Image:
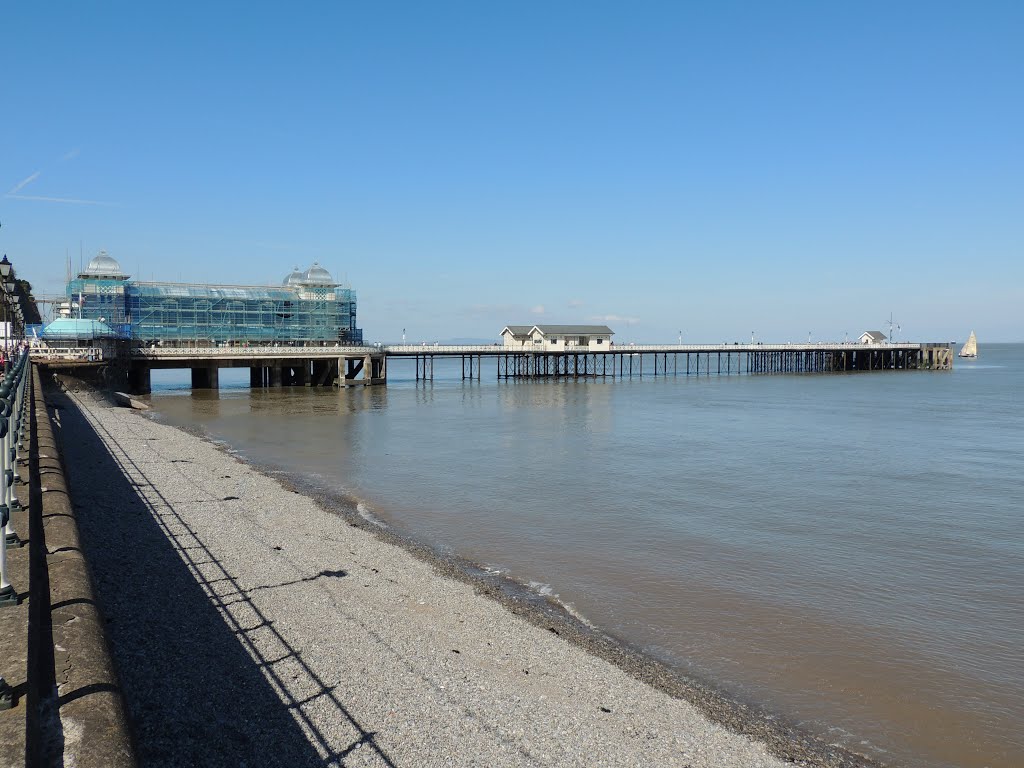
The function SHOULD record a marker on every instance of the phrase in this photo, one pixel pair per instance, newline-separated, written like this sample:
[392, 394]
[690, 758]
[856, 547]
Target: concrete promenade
[252, 626]
[67, 706]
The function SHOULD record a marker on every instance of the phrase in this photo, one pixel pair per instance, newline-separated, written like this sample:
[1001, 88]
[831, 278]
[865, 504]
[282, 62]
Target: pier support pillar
[352, 366]
[207, 377]
[276, 375]
[256, 377]
[139, 380]
[324, 373]
[378, 367]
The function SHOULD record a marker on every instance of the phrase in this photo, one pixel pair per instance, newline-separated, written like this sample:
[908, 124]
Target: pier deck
[272, 366]
[681, 359]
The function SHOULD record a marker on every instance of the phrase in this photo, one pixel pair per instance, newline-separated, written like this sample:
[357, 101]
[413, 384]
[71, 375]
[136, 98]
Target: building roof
[574, 330]
[76, 328]
[103, 265]
[317, 275]
[295, 277]
[874, 335]
[558, 330]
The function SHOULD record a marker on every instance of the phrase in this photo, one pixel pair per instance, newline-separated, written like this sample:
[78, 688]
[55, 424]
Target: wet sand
[252, 622]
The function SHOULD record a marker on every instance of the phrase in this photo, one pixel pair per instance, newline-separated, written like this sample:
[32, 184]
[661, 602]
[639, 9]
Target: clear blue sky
[716, 168]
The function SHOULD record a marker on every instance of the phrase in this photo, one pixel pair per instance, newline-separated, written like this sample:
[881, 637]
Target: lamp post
[8, 315]
[6, 268]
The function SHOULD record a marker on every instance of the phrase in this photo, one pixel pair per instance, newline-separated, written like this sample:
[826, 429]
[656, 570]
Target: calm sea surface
[847, 550]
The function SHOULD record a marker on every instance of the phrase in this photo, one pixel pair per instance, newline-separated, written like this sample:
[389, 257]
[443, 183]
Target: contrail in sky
[24, 183]
[72, 200]
[13, 194]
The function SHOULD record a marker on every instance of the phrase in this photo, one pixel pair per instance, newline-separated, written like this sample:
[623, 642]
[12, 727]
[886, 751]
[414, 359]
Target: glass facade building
[309, 307]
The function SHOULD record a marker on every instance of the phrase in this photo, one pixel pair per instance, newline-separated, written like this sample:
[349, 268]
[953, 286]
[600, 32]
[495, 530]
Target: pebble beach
[252, 623]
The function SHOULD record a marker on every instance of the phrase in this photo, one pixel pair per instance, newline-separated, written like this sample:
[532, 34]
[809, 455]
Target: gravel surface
[253, 626]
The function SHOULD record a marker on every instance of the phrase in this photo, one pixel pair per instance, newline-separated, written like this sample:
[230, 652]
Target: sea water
[845, 550]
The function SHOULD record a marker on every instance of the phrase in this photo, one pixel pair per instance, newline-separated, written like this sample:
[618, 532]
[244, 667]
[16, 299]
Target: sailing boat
[970, 349]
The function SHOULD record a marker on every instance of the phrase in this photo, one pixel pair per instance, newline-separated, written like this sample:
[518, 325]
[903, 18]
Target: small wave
[841, 736]
[367, 514]
[571, 610]
[544, 590]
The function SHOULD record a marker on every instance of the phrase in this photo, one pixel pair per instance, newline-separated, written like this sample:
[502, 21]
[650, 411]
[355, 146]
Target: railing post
[11, 404]
[7, 593]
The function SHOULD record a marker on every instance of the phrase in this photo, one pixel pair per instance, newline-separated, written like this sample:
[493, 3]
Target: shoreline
[518, 601]
[782, 738]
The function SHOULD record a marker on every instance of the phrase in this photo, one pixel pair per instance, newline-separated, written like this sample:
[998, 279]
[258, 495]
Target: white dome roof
[317, 275]
[102, 264]
[296, 277]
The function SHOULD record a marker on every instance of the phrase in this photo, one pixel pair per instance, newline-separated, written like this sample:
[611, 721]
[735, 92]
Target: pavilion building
[309, 307]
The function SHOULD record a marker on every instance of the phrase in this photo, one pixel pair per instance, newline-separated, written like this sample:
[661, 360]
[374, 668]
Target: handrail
[12, 427]
[243, 352]
[539, 349]
[96, 354]
[92, 354]
[495, 349]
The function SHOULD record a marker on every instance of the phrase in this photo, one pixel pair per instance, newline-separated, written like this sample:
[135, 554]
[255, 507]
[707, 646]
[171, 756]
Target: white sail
[970, 349]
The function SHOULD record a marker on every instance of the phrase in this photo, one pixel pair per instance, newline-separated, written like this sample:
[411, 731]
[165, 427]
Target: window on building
[554, 341]
[600, 341]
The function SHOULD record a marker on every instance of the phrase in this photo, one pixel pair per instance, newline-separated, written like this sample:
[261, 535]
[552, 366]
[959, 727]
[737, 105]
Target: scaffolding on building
[308, 308]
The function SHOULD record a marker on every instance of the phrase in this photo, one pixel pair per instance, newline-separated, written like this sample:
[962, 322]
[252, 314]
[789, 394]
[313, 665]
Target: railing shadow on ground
[199, 689]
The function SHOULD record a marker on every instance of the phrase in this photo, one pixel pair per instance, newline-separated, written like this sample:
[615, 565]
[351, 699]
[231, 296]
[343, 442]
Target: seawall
[67, 706]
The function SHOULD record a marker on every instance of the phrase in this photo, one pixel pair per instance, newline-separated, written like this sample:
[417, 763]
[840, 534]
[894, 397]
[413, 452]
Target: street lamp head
[5, 268]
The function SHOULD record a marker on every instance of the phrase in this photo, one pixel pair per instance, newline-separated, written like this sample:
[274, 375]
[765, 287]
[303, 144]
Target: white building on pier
[872, 337]
[558, 338]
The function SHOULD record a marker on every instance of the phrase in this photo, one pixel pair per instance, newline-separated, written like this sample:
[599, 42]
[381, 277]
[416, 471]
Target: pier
[129, 366]
[304, 333]
[315, 366]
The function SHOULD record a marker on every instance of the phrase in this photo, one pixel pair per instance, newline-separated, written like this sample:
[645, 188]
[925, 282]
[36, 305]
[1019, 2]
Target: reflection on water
[846, 549]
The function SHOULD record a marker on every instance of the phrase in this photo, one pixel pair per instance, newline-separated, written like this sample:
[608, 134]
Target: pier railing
[273, 365]
[164, 353]
[620, 349]
[85, 354]
[12, 429]
[327, 350]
